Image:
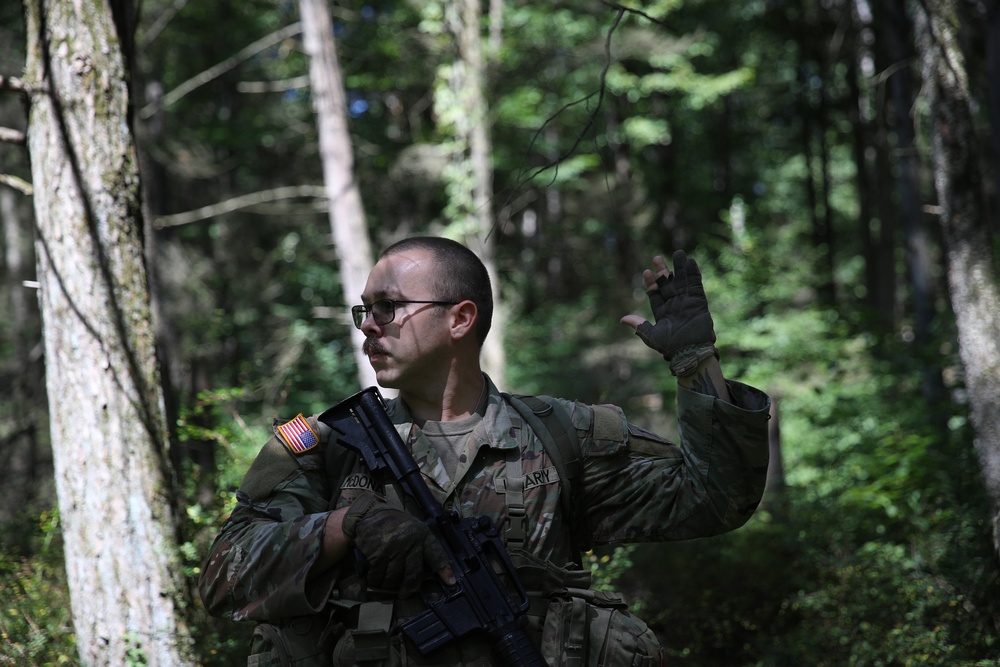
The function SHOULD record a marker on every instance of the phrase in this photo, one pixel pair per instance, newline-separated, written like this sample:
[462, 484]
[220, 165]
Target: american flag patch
[298, 435]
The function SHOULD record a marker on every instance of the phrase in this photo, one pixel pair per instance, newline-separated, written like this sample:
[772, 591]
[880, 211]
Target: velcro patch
[361, 481]
[298, 435]
[532, 479]
[609, 423]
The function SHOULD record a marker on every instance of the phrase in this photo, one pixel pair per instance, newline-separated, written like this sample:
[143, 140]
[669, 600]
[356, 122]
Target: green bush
[35, 622]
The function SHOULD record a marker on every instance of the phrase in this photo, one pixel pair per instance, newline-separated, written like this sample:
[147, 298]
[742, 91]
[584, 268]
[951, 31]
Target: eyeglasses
[384, 310]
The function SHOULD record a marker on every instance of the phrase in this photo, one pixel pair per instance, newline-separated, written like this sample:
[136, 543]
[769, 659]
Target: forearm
[261, 569]
[335, 544]
[707, 379]
[707, 484]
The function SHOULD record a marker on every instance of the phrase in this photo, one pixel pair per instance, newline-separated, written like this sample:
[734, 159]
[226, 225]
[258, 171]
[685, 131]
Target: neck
[457, 399]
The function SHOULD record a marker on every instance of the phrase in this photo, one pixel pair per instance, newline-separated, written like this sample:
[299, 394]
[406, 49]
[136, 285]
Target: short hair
[459, 275]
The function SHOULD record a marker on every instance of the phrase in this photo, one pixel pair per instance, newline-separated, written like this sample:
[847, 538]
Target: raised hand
[680, 308]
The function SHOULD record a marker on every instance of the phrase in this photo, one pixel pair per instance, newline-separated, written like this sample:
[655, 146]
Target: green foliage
[885, 558]
[609, 565]
[876, 552]
[35, 623]
[215, 420]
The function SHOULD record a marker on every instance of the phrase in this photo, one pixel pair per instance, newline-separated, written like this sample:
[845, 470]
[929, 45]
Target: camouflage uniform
[636, 487]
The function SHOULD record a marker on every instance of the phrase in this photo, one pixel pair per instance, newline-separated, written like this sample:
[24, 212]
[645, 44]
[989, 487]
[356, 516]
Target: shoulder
[298, 445]
[598, 429]
[605, 430]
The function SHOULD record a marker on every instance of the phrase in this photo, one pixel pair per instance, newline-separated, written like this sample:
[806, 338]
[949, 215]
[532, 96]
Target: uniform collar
[497, 421]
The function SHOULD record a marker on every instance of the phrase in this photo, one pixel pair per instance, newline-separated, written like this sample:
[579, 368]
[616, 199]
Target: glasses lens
[383, 311]
[359, 313]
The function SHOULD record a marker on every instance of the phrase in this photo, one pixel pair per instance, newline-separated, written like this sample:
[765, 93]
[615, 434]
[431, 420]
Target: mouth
[373, 350]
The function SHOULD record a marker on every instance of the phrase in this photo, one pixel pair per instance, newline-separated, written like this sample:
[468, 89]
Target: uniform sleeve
[639, 487]
[259, 567]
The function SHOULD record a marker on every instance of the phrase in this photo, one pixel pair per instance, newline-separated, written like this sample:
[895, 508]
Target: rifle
[487, 597]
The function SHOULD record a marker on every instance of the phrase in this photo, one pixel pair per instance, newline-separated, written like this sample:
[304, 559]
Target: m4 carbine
[487, 597]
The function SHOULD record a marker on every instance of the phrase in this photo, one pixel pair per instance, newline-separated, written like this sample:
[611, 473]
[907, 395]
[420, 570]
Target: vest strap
[371, 637]
[517, 520]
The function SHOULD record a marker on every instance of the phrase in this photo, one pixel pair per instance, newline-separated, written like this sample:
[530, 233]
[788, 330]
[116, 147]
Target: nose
[368, 325]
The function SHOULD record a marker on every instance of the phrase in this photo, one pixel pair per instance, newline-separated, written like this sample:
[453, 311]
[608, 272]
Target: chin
[386, 379]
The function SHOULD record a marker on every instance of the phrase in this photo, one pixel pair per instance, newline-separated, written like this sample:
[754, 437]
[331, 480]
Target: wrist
[686, 361]
[335, 542]
[363, 507]
[707, 378]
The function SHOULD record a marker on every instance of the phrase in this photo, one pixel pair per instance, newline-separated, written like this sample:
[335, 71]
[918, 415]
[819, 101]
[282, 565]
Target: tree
[473, 132]
[958, 182]
[109, 435]
[23, 481]
[347, 214]
[460, 103]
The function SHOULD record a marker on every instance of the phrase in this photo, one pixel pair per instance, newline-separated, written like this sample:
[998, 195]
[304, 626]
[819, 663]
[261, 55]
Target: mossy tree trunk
[109, 435]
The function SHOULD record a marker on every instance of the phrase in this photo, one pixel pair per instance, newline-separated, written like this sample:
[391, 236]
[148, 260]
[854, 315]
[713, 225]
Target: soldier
[284, 559]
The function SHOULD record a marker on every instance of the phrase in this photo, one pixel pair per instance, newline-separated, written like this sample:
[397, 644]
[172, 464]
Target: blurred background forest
[786, 145]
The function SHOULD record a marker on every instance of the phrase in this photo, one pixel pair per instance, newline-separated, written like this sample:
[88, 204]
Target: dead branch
[12, 83]
[12, 136]
[17, 183]
[161, 22]
[273, 86]
[237, 203]
[221, 68]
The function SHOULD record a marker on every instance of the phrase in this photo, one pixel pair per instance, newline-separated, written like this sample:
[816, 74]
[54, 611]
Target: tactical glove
[680, 310]
[400, 548]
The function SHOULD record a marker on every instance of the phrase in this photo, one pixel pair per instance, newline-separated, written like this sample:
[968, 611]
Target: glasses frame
[360, 313]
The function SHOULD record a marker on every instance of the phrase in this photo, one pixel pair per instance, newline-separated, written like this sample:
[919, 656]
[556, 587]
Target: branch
[12, 83]
[221, 68]
[11, 136]
[237, 203]
[161, 22]
[593, 114]
[632, 10]
[273, 86]
[17, 183]
[621, 11]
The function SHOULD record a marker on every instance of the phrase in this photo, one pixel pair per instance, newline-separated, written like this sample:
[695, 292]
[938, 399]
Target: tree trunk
[109, 436]
[471, 186]
[993, 74]
[20, 373]
[824, 281]
[972, 280]
[888, 199]
[861, 139]
[347, 215]
[920, 258]
[775, 486]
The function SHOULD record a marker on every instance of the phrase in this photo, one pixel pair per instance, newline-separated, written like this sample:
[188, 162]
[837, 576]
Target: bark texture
[109, 436]
[972, 280]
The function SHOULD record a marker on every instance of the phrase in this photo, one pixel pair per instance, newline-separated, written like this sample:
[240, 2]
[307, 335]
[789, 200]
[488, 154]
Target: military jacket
[636, 487]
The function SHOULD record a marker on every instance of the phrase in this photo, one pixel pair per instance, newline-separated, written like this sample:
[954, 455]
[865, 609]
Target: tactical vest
[575, 625]
[552, 426]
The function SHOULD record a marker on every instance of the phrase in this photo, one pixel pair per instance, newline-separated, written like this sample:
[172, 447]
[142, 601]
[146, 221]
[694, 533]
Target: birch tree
[109, 436]
[347, 215]
[958, 181]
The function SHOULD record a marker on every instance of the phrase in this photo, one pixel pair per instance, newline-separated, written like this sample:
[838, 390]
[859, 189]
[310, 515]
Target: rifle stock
[488, 597]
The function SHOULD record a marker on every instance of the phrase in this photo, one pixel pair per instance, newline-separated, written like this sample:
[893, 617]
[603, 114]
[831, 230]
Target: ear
[463, 319]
